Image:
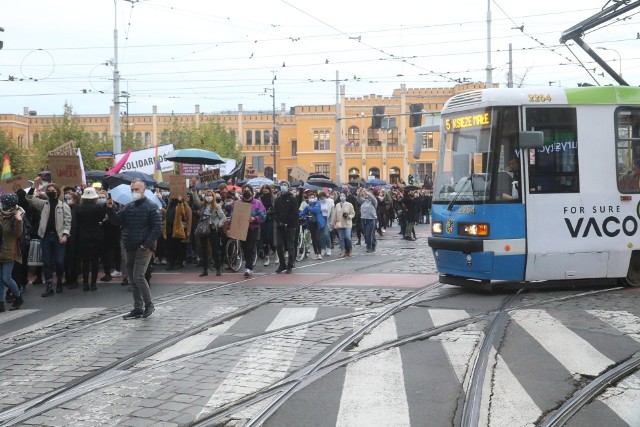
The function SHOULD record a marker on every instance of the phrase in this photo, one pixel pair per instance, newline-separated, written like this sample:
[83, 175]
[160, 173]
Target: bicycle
[303, 242]
[234, 255]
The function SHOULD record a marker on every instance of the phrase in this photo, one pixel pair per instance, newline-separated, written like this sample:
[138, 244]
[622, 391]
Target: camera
[345, 215]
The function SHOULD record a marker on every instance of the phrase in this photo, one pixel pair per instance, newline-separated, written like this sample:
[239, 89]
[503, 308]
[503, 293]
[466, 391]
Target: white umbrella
[122, 194]
[259, 182]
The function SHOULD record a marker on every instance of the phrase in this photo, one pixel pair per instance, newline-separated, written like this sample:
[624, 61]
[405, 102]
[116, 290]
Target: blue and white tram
[538, 184]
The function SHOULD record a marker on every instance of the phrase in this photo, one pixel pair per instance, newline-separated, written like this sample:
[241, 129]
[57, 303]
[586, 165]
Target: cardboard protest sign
[250, 172]
[178, 186]
[190, 169]
[240, 220]
[65, 170]
[13, 184]
[209, 175]
[66, 149]
[299, 173]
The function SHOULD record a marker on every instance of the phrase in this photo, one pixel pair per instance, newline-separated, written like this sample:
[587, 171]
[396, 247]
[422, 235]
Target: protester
[54, 230]
[342, 223]
[177, 221]
[212, 219]
[368, 204]
[266, 228]
[141, 224]
[285, 216]
[89, 216]
[11, 223]
[326, 205]
[257, 217]
[315, 222]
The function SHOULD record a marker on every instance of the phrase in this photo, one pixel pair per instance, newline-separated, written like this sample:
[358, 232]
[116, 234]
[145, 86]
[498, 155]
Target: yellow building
[307, 134]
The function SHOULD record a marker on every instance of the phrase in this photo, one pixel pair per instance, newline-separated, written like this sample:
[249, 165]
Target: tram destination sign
[481, 119]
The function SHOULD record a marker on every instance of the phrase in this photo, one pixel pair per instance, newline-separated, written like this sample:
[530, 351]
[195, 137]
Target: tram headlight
[436, 227]
[472, 229]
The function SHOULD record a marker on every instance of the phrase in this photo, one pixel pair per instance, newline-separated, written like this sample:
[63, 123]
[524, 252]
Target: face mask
[343, 198]
[218, 200]
[136, 195]
[284, 188]
[228, 202]
[311, 199]
[52, 195]
[67, 197]
[164, 193]
[265, 193]
[102, 201]
[208, 199]
[246, 194]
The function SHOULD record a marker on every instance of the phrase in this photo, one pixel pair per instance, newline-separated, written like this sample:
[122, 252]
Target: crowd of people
[78, 231]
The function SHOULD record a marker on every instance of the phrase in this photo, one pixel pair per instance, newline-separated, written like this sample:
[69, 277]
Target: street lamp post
[274, 135]
[117, 141]
[619, 58]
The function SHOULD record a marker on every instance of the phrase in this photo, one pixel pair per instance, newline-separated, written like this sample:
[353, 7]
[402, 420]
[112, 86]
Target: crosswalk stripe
[65, 315]
[572, 351]
[13, 315]
[189, 345]
[511, 405]
[623, 399]
[264, 363]
[374, 390]
[624, 321]
[442, 316]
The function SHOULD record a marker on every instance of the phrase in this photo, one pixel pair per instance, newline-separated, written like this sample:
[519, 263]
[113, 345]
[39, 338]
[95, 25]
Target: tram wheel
[633, 275]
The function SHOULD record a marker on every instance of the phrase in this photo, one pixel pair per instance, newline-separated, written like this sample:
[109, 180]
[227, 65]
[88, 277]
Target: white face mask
[208, 199]
[343, 198]
[136, 195]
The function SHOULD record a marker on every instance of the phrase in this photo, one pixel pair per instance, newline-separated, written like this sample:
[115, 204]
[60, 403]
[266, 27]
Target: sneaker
[125, 282]
[324, 252]
[106, 278]
[156, 260]
[343, 254]
[163, 261]
[328, 253]
[148, 311]
[289, 271]
[136, 313]
[116, 273]
[319, 257]
[276, 259]
[267, 261]
[247, 272]
[281, 269]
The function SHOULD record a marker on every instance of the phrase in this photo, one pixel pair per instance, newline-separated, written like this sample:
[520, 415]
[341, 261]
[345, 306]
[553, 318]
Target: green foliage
[210, 136]
[17, 157]
[62, 131]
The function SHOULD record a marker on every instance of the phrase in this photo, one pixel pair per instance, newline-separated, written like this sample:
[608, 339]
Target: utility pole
[117, 142]
[274, 135]
[338, 136]
[510, 77]
[489, 77]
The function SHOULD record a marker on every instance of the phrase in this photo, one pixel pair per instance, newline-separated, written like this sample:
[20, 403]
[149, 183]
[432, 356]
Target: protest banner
[240, 223]
[178, 186]
[250, 172]
[209, 175]
[13, 184]
[66, 149]
[65, 170]
[299, 173]
[188, 169]
[145, 160]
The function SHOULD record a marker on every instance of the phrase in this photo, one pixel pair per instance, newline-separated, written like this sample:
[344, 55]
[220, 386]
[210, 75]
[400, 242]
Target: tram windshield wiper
[469, 180]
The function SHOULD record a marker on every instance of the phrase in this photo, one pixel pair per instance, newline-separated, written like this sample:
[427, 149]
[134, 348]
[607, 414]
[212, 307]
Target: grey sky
[175, 54]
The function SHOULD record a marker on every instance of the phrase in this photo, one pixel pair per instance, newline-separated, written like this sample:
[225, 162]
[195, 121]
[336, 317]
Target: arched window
[267, 137]
[354, 173]
[249, 140]
[353, 136]
[258, 137]
[147, 138]
[375, 172]
[138, 136]
[394, 175]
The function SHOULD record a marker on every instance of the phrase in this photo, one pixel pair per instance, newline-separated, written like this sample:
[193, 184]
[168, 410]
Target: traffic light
[410, 179]
[376, 120]
[416, 115]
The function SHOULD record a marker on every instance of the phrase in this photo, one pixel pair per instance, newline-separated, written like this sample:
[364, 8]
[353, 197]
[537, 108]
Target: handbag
[203, 229]
[35, 253]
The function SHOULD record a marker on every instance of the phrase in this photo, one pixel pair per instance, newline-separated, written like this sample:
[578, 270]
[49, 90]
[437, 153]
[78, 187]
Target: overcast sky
[178, 53]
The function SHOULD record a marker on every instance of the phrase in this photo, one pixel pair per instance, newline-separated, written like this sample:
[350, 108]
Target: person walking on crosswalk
[341, 220]
[141, 223]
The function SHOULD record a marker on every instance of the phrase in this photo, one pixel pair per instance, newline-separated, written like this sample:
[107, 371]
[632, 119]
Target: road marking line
[265, 362]
[13, 315]
[572, 351]
[65, 315]
[623, 399]
[374, 390]
[624, 321]
[442, 316]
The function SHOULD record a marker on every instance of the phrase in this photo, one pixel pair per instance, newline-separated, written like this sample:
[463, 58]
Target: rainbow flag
[6, 167]
[157, 173]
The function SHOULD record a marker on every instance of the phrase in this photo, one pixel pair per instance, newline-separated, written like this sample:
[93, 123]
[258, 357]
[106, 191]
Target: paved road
[371, 340]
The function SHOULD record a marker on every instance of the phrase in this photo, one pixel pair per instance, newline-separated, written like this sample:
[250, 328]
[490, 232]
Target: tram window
[554, 167]
[628, 149]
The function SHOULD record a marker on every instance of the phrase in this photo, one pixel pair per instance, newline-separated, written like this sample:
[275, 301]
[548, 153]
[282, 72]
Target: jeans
[369, 226]
[344, 236]
[137, 262]
[52, 253]
[325, 241]
[7, 268]
[286, 238]
[211, 240]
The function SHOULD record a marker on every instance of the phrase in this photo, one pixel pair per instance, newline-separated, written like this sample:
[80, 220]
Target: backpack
[24, 239]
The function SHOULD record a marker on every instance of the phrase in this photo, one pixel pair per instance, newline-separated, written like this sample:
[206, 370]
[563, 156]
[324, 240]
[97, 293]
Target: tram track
[114, 371]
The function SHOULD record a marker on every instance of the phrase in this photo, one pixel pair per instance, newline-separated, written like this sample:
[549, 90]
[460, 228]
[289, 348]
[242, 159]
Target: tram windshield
[478, 157]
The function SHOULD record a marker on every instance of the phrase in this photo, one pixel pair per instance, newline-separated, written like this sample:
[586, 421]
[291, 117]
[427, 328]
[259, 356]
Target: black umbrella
[322, 182]
[126, 177]
[317, 175]
[95, 175]
[163, 185]
[410, 188]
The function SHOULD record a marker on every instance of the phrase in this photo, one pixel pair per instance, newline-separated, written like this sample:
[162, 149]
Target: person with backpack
[11, 227]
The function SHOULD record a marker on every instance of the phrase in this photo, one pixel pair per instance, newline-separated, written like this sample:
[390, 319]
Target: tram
[538, 184]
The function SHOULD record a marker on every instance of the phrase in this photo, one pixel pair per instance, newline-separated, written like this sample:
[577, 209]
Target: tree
[17, 157]
[210, 136]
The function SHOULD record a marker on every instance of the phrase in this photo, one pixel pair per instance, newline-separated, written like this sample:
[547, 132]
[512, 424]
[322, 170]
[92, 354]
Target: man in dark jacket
[141, 223]
[285, 216]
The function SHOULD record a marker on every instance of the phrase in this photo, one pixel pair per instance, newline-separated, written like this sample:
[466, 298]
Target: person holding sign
[257, 216]
[141, 223]
[54, 230]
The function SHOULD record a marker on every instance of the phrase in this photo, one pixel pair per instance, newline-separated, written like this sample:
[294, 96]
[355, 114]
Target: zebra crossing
[544, 356]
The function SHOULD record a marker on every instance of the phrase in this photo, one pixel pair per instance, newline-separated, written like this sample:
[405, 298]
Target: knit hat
[9, 201]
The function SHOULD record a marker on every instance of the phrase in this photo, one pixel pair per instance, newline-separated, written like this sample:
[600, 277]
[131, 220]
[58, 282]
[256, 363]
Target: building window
[323, 168]
[147, 138]
[394, 175]
[258, 137]
[374, 172]
[353, 136]
[21, 141]
[427, 140]
[321, 141]
[628, 149]
[267, 137]
[249, 137]
[392, 136]
[294, 147]
[138, 136]
[354, 174]
[373, 137]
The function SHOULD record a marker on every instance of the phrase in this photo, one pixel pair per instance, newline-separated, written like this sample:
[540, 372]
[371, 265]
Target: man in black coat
[285, 216]
[141, 223]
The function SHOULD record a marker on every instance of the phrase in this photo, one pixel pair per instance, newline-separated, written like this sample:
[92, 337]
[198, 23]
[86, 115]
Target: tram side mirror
[531, 139]
[417, 145]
